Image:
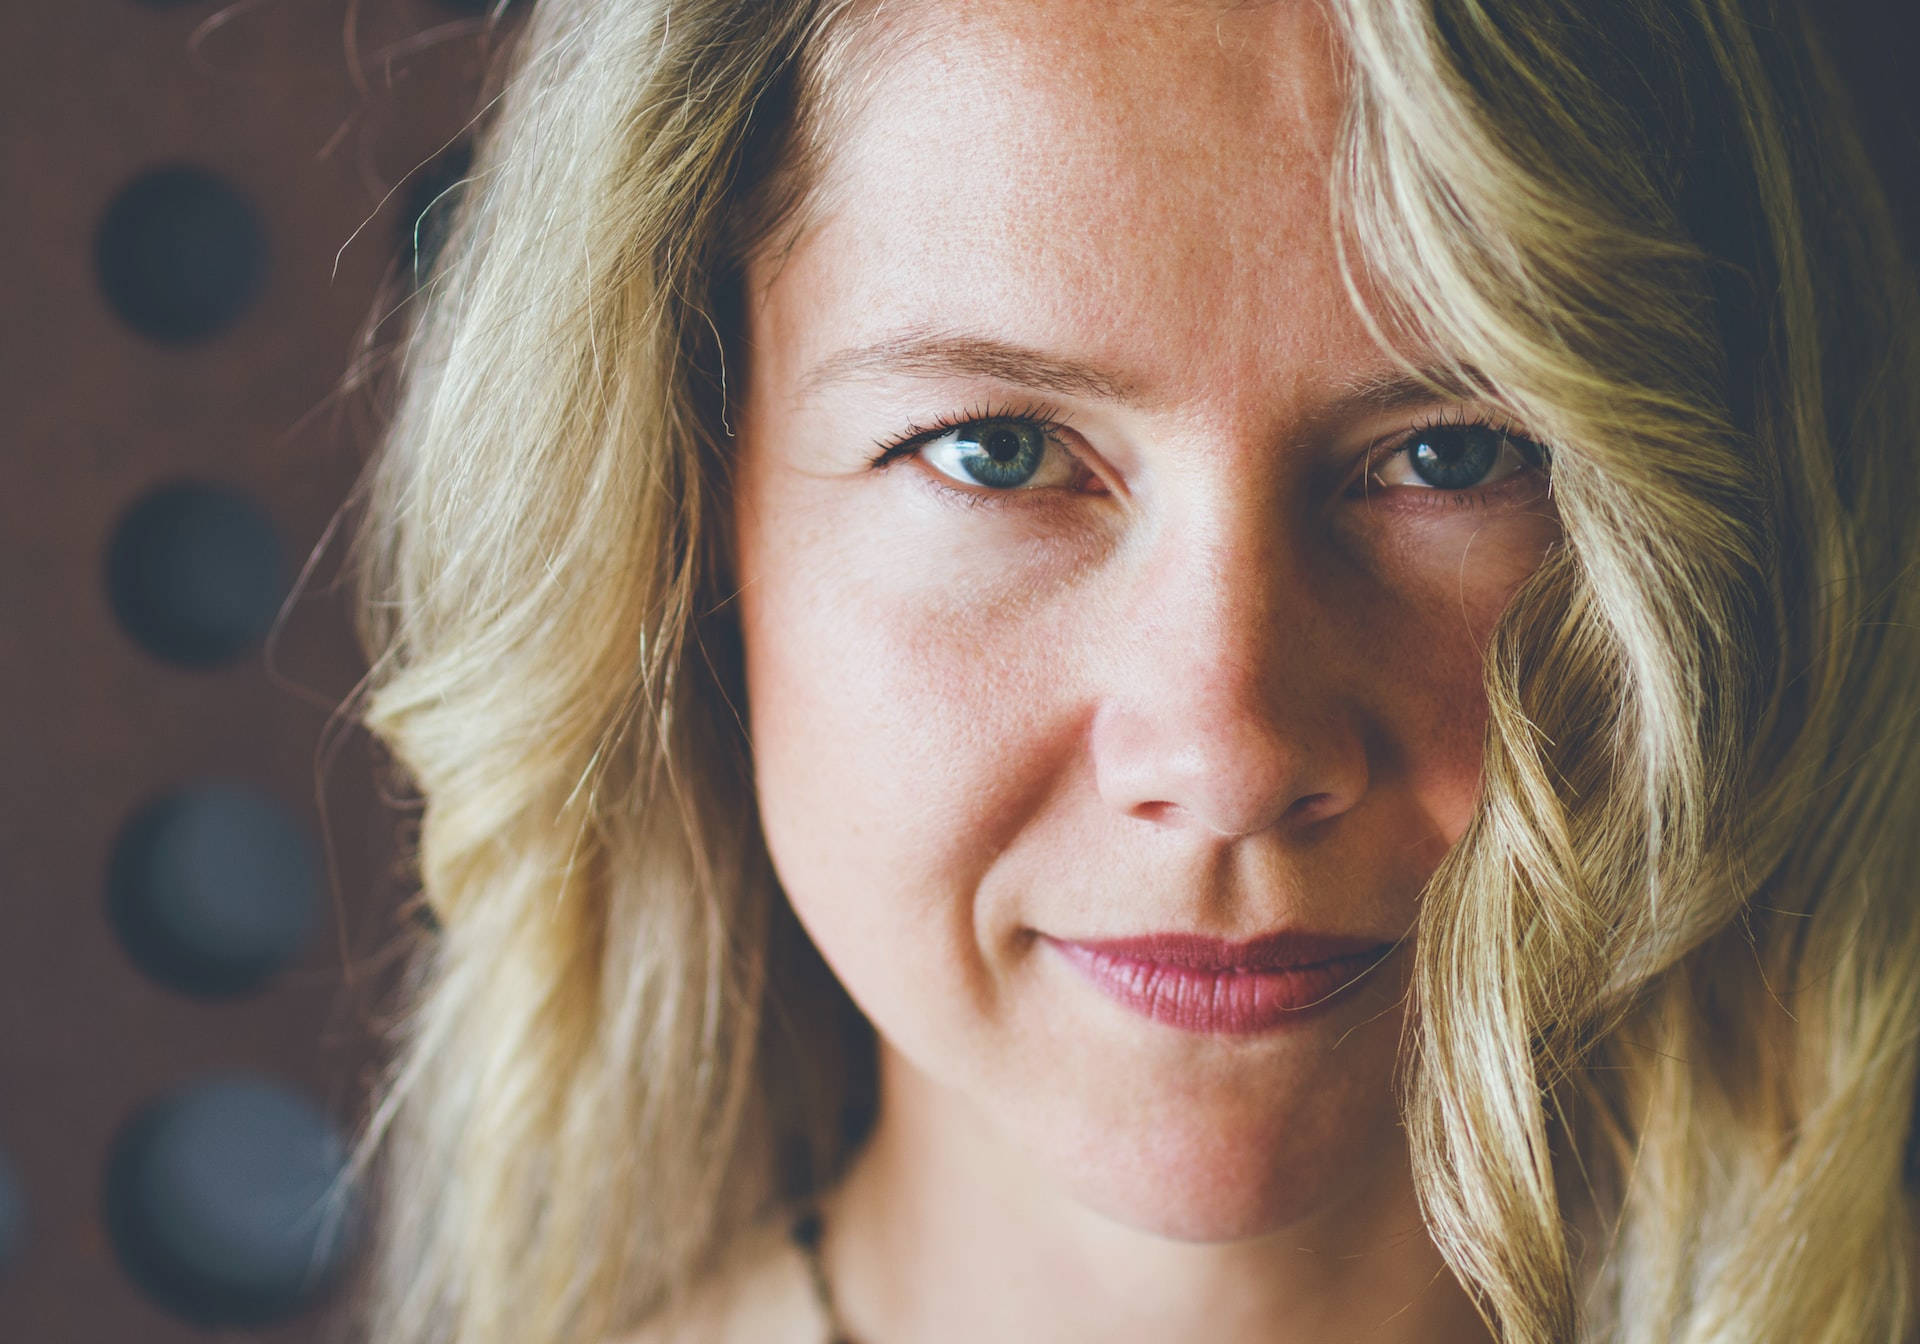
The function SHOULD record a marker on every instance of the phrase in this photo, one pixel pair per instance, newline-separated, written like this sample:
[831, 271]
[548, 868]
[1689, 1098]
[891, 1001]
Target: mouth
[1215, 987]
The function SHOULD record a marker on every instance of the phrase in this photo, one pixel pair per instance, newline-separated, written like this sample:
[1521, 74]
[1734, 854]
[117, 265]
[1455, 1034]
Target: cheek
[1432, 616]
[898, 746]
[869, 722]
[1443, 750]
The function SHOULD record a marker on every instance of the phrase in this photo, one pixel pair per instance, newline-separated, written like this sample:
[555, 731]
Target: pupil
[1002, 445]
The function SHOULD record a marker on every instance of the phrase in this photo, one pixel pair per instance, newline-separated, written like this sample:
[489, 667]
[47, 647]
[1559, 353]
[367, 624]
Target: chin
[1164, 1209]
[1216, 1184]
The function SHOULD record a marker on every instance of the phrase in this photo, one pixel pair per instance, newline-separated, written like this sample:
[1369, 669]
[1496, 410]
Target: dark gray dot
[180, 254]
[224, 1203]
[13, 1213]
[212, 889]
[194, 572]
[432, 199]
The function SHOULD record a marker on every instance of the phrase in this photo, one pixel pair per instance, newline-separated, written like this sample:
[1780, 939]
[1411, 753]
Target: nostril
[1157, 811]
[1315, 807]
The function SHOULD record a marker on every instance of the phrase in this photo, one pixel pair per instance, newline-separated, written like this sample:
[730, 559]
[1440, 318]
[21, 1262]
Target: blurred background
[200, 865]
[202, 882]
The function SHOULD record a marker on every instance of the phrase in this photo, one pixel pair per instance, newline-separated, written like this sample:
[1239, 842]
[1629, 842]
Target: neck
[942, 1232]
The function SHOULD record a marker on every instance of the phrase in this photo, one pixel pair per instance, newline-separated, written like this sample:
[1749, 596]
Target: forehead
[1095, 166]
[1177, 66]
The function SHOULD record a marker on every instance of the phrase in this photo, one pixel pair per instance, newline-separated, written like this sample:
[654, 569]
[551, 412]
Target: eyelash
[1536, 456]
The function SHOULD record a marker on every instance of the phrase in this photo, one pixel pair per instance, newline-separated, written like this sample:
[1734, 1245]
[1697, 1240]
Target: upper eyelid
[1049, 418]
[1391, 445]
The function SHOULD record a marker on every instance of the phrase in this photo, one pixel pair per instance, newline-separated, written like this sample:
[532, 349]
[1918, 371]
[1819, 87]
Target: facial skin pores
[1098, 581]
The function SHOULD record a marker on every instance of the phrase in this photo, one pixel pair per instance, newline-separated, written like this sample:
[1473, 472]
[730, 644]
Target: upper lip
[1198, 952]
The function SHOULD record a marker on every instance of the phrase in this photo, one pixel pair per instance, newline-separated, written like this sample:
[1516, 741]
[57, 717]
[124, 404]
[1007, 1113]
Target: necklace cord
[805, 1232]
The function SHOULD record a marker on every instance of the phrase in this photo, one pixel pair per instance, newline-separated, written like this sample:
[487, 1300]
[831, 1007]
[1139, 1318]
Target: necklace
[805, 1232]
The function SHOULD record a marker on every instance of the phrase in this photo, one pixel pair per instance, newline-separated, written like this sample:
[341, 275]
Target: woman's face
[1146, 648]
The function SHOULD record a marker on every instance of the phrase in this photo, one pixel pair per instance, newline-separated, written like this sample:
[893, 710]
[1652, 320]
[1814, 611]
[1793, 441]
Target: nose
[1226, 704]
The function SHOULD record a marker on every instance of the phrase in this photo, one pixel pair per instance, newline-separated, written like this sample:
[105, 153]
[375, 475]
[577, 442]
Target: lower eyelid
[946, 490]
[1518, 488]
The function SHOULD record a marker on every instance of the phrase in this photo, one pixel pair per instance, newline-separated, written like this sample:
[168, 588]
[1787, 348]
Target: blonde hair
[1661, 1052]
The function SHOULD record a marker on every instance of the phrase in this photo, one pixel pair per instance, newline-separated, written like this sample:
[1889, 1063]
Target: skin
[1202, 673]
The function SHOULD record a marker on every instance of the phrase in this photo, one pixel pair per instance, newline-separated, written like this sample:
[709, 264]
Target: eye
[1000, 454]
[994, 452]
[990, 453]
[1466, 459]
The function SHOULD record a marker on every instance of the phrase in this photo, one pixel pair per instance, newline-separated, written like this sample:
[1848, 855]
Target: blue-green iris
[1001, 453]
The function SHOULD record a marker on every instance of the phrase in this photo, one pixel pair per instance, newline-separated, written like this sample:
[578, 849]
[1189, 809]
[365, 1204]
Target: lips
[1209, 985]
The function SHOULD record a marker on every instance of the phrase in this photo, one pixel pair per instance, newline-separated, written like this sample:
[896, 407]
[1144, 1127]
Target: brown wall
[309, 110]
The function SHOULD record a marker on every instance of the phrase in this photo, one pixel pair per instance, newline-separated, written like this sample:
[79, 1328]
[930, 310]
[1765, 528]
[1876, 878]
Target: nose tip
[1232, 704]
[1228, 764]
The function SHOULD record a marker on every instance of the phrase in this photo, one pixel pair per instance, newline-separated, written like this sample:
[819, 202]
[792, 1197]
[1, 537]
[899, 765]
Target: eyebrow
[920, 352]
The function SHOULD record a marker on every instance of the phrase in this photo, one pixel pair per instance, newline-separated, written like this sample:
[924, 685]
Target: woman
[1156, 671]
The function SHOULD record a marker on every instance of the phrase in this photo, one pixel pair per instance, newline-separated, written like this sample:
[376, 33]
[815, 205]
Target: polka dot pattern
[181, 255]
[225, 1204]
[195, 573]
[212, 203]
[213, 889]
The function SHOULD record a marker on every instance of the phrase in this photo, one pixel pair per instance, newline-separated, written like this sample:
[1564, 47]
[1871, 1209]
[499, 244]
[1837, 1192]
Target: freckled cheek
[888, 749]
[1446, 764]
[1435, 669]
[858, 673]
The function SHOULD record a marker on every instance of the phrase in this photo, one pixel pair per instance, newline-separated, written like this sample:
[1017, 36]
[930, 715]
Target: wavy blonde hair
[1660, 1062]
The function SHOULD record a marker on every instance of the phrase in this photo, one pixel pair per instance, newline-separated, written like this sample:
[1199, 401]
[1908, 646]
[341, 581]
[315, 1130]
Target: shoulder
[761, 1294]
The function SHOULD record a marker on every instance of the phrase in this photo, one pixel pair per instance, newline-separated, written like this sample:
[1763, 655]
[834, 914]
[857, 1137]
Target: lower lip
[1233, 1002]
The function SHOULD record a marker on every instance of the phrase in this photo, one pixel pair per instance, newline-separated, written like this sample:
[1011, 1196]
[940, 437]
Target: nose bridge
[1228, 604]
[1225, 713]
